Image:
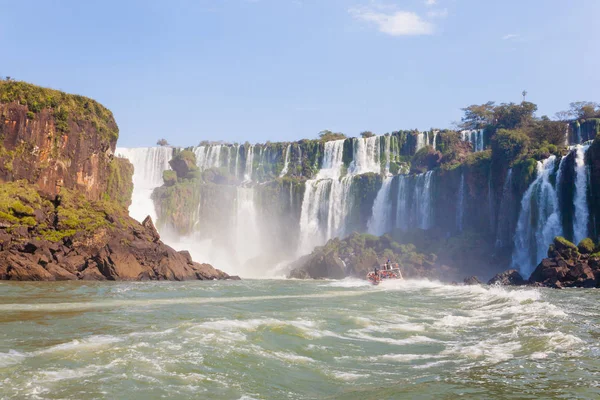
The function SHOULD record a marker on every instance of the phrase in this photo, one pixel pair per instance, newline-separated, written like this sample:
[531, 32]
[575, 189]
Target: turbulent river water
[285, 339]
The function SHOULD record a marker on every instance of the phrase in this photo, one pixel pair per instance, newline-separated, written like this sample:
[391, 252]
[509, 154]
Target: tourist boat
[384, 273]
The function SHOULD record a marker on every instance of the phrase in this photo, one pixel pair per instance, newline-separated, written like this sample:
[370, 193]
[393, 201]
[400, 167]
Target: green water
[277, 339]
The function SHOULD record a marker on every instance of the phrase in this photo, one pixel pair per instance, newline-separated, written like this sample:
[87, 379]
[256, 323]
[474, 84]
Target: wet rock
[472, 280]
[512, 277]
[320, 266]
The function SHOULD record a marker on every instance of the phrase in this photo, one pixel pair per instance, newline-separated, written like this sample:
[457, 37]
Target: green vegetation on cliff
[70, 215]
[63, 106]
[120, 181]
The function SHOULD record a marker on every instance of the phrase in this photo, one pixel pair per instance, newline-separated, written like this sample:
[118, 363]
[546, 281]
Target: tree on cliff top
[162, 142]
[478, 116]
[328, 135]
[502, 116]
[580, 110]
[367, 134]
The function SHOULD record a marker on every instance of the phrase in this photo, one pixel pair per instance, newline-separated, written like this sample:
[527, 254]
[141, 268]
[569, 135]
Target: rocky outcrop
[566, 266]
[512, 277]
[358, 254]
[471, 280]
[56, 140]
[69, 238]
[321, 266]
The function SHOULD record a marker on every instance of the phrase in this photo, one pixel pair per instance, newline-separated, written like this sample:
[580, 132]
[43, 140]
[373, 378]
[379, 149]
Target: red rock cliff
[55, 140]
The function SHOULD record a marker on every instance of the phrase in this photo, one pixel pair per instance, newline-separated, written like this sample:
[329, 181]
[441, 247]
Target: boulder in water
[512, 277]
[472, 280]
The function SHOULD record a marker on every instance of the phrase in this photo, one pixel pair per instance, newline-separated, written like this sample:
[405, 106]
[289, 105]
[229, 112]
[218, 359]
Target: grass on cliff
[63, 106]
[22, 206]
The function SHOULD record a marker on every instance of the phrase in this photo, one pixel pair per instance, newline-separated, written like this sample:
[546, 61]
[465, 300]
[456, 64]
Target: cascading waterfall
[380, 221]
[421, 140]
[434, 144]
[423, 200]
[249, 164]
[237, 161]
[248, 243]
[387, 147]
[208, 156]
[539, 219]
[149, 163]
[414, 201]
[286, 164]
[366, 155]
[460, 211]
[475, 137]
[403, 203]
[325, 204]
[580, 220]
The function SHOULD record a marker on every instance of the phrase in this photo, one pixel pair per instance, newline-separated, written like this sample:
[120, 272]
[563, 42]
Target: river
[287, 339]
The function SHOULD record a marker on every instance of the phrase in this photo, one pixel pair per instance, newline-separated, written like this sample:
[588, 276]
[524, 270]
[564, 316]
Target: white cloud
[441, 13]
[394, 23]
[430, 2]
[510, 36]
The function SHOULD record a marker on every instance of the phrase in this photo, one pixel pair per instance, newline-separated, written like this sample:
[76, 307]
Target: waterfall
[366, 156]
[414, 201]
[326, 201]
[580, 221]
[402, 207]
[460, 210]
[539, 219]
[475, 137]
[208, 156]
[284, 171]
[149, 164]
[247, 239]
[434, 144]
[578, 133]
[421, 141]
[423, 200]
[387, 147]
[379, 223]
[249, 164]
[237, 161]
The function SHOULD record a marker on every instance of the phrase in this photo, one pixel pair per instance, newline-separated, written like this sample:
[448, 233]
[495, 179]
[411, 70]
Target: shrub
[586, 246]
[169, 177]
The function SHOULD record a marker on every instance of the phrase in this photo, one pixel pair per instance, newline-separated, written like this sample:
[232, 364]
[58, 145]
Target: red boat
[387, 271]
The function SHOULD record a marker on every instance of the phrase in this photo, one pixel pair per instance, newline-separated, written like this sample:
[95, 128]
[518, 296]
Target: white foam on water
[348, 283]
[403, 357]
[491, 351]
[347, 376]
[104, 304]
[417, 339]
[11, 358]
[68, 373]
[89, 343]
[559, 341]
[398, 327]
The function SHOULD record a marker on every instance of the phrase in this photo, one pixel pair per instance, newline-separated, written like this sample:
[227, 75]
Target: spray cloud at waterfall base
[253, 209]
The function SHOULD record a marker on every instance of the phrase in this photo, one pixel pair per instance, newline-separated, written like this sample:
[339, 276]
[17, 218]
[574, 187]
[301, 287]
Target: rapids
[275, 339]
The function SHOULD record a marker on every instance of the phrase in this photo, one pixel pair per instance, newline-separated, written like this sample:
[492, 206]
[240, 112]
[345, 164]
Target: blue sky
[280, 70]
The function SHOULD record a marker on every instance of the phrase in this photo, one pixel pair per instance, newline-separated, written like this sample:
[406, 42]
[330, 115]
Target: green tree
[328, 135]
[512, 116]
[478, 116]
[583, 110]
[508, 145]
[367, 134]
[162, 142]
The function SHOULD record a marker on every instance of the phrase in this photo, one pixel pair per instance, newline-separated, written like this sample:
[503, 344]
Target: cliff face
[55, 140]
[64, 196]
